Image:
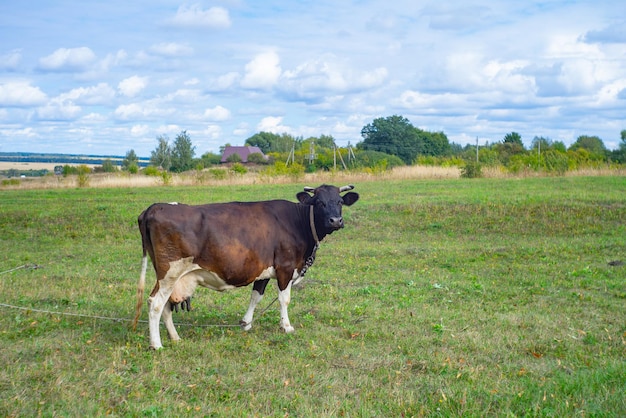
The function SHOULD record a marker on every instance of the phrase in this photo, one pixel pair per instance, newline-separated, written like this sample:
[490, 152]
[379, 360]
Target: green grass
[439, 298]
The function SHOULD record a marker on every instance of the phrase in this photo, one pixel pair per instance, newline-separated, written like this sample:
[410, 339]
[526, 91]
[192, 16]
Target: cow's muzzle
[336, 222]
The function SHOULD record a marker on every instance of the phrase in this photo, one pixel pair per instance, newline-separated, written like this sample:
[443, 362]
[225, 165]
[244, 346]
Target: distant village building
[243, 152]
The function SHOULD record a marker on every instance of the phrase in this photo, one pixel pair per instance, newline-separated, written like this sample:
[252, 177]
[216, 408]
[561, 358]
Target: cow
[223, 246]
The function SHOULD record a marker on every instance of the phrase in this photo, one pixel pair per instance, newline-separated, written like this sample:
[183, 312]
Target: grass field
[449, 297]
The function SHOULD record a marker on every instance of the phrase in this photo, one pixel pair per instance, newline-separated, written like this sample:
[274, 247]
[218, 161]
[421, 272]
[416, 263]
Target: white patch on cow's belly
[268, 273]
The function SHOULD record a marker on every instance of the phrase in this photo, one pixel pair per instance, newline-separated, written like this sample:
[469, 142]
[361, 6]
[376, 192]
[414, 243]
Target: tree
[208, 159]
[433, 144]
[162, 156]
[513, 138]
[593, 144]
[271, 142]
[619, 154]
[182, 153]
[392, 135]
[325, 141]
[541, 144]
[130, 162]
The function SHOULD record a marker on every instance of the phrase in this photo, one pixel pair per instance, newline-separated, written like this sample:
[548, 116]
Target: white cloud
[11, 61]
[132, 86]
[323, 77]
[218, 113]
[184, 96]
[101, 93]
[225, 81]
[139, 130]
[195, 17]
[130, 111]
[142, 111]
[273, 124]
[171, 49]
[212, 132]
[20, 93]
[59, 111]
[262, 72]
[68, 59]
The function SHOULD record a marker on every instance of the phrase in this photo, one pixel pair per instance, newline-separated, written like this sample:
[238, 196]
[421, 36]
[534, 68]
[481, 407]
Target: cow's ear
[350, 198]
[304, 198]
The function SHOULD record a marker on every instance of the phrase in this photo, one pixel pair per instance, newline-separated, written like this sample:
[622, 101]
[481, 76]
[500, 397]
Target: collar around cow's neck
[312, 223]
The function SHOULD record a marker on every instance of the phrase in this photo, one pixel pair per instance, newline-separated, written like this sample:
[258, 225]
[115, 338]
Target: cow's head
[327, 202]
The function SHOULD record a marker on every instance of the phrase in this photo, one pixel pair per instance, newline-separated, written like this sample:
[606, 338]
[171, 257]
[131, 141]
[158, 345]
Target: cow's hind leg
[169, 323]
[158, 301]
[257, 294]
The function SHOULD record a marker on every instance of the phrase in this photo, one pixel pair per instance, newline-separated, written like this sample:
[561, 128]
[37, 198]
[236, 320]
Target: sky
[102, 78]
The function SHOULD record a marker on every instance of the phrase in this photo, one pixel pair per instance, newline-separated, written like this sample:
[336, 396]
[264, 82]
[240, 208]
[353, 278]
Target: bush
[234, 158]
[11, 182]
[471, 170]
[239, 168]
[151, 171]
[295, 170]
[133, 168]
[257, 158]
[83, 175]
[374, 160]
[218, 173]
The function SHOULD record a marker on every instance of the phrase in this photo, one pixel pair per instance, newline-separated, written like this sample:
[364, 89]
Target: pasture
[441, 297]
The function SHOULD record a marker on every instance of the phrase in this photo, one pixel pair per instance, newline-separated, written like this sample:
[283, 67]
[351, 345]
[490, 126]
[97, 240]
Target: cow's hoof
[288, 329]
[245, 325]
[156, 348]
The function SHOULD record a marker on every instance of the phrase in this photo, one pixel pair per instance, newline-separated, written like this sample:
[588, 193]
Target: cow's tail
[144, 267]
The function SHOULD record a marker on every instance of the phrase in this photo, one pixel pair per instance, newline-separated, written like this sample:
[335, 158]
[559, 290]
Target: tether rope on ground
[108, 318]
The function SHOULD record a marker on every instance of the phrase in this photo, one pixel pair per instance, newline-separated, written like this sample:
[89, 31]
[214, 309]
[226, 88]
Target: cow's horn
[309, 189]
[346, 188]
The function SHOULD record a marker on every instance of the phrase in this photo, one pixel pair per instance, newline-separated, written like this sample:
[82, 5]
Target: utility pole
[312, 153]
[476, 150]
[292, 154]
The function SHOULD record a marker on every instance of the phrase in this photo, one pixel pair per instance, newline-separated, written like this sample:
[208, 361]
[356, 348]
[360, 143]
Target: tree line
[392, 141]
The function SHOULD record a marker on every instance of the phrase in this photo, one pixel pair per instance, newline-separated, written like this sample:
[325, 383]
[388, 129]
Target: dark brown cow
[226, 245]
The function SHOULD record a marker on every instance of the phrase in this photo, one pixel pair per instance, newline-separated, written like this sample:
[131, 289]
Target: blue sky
[105, 77]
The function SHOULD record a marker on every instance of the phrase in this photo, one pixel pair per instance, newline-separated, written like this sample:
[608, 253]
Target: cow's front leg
[284, 297]
[258, 289]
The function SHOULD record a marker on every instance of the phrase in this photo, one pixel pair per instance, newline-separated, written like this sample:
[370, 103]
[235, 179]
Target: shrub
[11, 182]
[373, 159]
[257, 158]
[234, 158]
[295, 170]
[238, 168]
[218, 173]
[166, 177]
[151, 171]
[133, 168]
[83, 175]
[471, 170]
